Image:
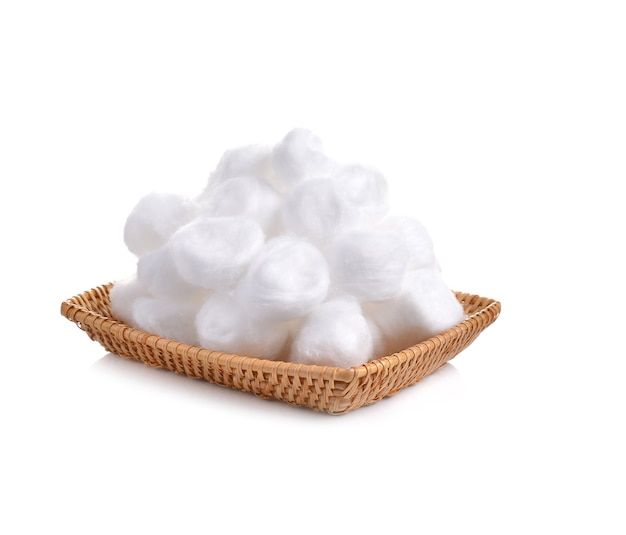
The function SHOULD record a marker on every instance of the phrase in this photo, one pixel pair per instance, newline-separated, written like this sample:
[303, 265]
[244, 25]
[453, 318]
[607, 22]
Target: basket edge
[344, 382]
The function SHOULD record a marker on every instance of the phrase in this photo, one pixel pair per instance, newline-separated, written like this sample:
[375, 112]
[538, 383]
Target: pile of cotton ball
[286, 254]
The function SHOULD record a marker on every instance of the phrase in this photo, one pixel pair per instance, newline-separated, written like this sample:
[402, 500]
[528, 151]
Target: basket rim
[73, 309]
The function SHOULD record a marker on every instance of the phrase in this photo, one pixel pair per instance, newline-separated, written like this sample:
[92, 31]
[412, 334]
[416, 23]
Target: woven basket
[322, 388]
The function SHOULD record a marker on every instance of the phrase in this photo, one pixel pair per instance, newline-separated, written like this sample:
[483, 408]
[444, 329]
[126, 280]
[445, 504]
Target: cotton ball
[314, 210]
[424, 308]
[417, 238]
[213, 252]
[364, 189]
[369, 264]
[122, 297]
[157, 272]
[354, 197]
[173, 319]
[334, 334]
[298, 157]
[285, 281]
[155, 218]
[378, 340]
[246, 160]
[222, 324]
[247, 196]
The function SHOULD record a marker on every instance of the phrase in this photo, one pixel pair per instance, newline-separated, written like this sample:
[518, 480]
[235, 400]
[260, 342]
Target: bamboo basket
[325, 389]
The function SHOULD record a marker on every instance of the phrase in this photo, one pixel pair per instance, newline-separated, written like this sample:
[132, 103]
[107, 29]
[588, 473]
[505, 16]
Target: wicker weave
[321, 388]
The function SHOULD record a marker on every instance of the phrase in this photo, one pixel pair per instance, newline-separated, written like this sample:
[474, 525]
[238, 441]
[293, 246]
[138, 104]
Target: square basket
[326, 389]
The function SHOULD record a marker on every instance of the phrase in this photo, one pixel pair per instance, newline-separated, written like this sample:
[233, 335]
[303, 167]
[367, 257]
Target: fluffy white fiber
[223, 324]
[352, 197]
[334, 334]
[249, 196]
[169, 318]
[364, 189]
[123, 295]
[158, 274]
[417, 239]
[285, 281]
[284, 254]
[155, 218]
[298, 157]
[425, 307]
[213, 252]
[249, 160]
[313, 210]
[369, 264]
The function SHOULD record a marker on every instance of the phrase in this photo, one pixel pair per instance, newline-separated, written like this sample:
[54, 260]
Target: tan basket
[321, 388]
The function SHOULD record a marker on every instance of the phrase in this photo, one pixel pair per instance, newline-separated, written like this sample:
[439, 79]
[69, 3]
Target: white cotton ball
[122, 297]
[369, 265]
[157, 272]
[364, 189]
[155, 218]
[285, 281]
[378, 340]
[171, 319]
[354, 197]
[247, 196]
[298, 157]
[213, 252]
[314, 210]
[424, 308]
[247, 160]
[334, 334]
[417, 238]
[222, 324]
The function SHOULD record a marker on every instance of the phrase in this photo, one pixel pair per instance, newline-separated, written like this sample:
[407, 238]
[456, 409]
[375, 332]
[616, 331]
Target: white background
[500, 125]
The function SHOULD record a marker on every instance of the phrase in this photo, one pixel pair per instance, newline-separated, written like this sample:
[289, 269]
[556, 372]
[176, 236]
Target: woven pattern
[321, 388]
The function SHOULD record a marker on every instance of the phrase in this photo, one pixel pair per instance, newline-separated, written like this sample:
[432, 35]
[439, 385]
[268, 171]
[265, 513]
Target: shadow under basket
[326, 389]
